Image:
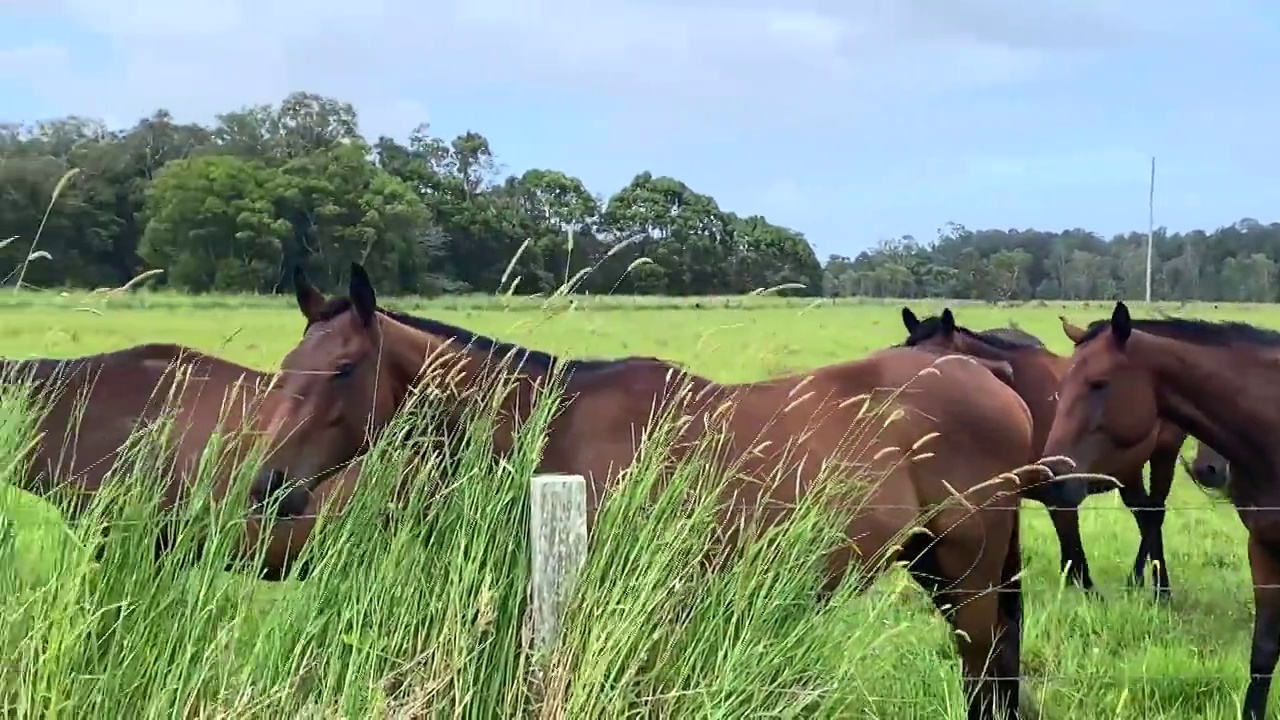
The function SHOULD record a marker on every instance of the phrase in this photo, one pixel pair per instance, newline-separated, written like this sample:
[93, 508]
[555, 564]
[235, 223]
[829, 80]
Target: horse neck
[1024, 356]
[1223, 395]
[465, 374]
[1027, 362]
[970, 345]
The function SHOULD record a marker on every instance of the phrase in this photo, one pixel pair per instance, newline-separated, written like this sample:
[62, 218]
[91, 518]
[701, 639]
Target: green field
[202, 645]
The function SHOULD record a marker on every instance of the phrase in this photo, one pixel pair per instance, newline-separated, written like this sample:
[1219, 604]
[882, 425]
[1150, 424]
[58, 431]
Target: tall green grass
[416, 604]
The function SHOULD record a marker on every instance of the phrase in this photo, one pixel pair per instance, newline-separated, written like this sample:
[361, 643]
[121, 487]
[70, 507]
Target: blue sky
[849, 121]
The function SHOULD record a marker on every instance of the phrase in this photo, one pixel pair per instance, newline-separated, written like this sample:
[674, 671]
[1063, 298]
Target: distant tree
[233, 206]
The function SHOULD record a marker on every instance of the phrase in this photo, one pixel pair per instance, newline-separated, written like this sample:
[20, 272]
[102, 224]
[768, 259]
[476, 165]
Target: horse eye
[344, 369]
[1099, 385]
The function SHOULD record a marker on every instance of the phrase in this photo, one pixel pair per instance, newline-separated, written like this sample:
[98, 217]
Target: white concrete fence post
[558, 540]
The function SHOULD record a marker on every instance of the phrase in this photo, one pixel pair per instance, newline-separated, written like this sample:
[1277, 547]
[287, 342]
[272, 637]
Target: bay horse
[1220, 381]
[312, 304]
[1037, 373]
[287, 537]
[358, 363]
[90, 406]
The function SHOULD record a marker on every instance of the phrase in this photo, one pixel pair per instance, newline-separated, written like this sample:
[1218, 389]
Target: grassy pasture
[96, 642]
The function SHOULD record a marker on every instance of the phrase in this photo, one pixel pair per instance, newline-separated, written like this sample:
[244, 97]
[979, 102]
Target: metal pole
[1151, 223]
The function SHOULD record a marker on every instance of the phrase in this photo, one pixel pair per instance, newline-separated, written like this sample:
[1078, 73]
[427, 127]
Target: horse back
[89, 407]
[794, 425]
[955, 426]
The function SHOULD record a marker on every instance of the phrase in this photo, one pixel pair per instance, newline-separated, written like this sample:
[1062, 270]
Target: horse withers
[1037, 374]
[355, 368]
[1220, 381]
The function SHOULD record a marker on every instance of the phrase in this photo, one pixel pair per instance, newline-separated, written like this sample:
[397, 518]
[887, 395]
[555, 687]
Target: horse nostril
[1209, 475]
[293, 504]
[269, 483]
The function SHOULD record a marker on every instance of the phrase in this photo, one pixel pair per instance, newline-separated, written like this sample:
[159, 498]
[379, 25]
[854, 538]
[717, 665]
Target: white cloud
[746, 58]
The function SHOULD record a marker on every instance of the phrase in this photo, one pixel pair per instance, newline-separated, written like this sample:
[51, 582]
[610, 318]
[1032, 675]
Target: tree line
[1232, 263]
[233, 206]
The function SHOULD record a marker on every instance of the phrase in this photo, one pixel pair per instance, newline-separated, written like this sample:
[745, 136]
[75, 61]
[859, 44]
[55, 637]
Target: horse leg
[838, 562]
[1164, 463]
[1066, 523]
[1011, 609]
[961, 590]
[1264, 566]
[100, 548]
[161, 547]
[1134, 496]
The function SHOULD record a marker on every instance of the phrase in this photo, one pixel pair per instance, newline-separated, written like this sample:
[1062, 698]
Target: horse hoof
[1138, 578]
[1164, 596]
[1091, 591]
[1078, 581]
[1080, 588]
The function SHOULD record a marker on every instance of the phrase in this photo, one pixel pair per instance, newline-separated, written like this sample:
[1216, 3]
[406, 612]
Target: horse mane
[1008, 339]
[1199, 332]
[516, 355]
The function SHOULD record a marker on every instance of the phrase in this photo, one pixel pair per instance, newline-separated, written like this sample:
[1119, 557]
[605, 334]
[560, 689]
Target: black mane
[1006, 338]
[517, 355]
[1009, 339]
[1200, 332]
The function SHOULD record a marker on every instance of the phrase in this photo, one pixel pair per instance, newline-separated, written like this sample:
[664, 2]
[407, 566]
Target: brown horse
[1037, 373]
[332, 494]
[90, 406]
[312, 304]
[1220, 382]
[358, 363]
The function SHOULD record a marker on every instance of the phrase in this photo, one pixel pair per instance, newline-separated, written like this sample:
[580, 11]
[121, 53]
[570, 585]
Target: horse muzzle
[270, 486]
[1209, 475]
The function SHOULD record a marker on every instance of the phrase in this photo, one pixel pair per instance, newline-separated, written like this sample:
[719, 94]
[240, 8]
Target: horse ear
[310, 300]
[948, 321]
[1121, 324]
[1076, 334]
[363, 299]
[909, 319]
